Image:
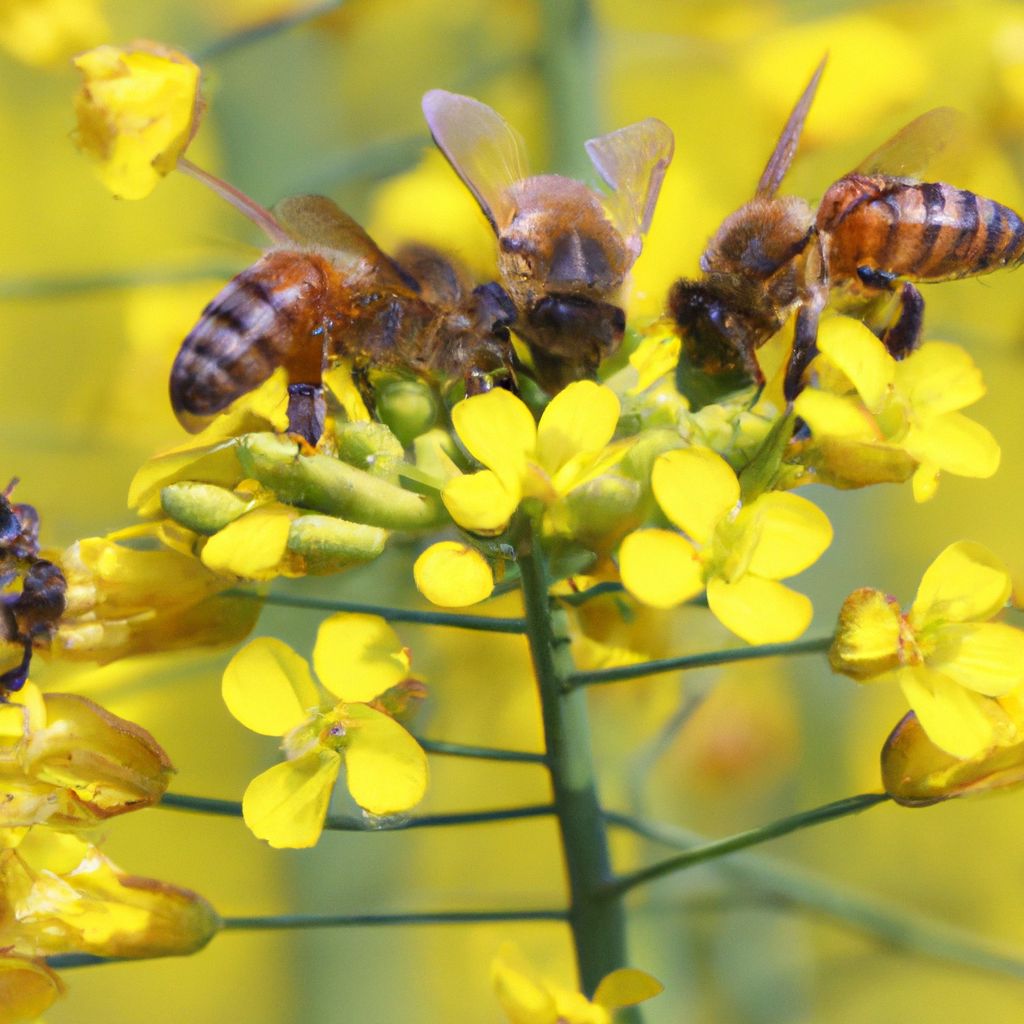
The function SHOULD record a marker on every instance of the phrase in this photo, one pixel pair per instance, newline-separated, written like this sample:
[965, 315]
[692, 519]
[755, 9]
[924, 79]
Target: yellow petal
[966, 583]
[987, 657]
[626, 987]
[136, 112]
[956, 444]
[953, 718]
[759, 611]
[792, 533]
[695, 489]
[655, 357]
[868, 638]
[27, 988]
[269, 688]
[253, 546]
[925, 482]
[498, 431]
[580, 418]
[523, 997]
[852, 347]
[47, 33]
[829, 415]
[453, 575]
[287, 804]
[660, 568]
[358, 657]
[939, 378]
[386, 768]
[480, 502]
[214, 464]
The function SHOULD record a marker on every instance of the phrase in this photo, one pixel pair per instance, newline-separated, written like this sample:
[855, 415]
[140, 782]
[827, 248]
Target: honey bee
[877, 230]
[32, 589]
[326, 292]
[563, 251]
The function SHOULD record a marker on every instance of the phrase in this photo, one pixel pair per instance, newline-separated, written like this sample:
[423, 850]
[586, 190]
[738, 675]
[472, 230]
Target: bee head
[717, 338]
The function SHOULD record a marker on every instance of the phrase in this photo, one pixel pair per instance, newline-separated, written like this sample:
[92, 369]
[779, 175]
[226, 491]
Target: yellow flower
[959, 672]
[738, 552]
[137, 109]
[270, 690]
[48, 32]
[123, 601]
[68, 763]
[529, 999]
[903, 419]
[547, 461]
[27, 988]
[67, 897]
[453, 575]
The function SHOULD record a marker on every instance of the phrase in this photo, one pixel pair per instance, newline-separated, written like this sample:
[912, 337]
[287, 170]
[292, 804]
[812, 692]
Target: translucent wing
[317, 220]
[785, 148]
[484, 150]
[909, 152]
[633, 161]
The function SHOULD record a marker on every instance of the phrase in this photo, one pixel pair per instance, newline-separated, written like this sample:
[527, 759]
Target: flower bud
[408, 407]
[328, 544]
[202, 508]
[869, 636]
[370, 446]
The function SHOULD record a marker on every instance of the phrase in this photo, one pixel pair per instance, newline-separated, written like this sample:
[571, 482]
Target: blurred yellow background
[97, 294]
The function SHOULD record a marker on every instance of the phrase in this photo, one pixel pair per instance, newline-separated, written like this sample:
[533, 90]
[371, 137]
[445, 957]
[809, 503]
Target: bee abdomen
[260, 320]
[923, 231]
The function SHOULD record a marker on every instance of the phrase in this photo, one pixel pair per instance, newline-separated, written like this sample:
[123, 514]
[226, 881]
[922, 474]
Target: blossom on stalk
[270, 690]
[62, 895]
[527, 998]
[68, 763]
[551, 461]
[737, 551]
[961, 673]
[123, 600]
[873, 419]
[137, 110]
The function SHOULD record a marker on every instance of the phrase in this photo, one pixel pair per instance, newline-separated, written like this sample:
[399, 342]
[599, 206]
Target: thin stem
[259, 215]
[686, 661]
[481, 623]
[483, 753]
[901, 928]
[348, 823]
[597, 590]
[568, 68]
[595, 916]
[256, 33]
[752, 837]
[289, 921]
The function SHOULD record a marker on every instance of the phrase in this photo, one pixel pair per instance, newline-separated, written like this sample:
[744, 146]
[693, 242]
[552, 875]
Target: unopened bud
[203, 508]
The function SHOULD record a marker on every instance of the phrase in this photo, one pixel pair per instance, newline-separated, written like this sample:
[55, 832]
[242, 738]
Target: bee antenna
[9, 489]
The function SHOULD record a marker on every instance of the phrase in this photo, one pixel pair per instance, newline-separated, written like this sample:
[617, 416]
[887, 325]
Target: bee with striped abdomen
[876, 231]
[327, 292]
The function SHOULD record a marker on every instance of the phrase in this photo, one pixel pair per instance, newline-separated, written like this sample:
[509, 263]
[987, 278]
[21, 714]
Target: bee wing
[317, 220]
[633, 161]
[909, 152]
[785, 148]
[485, 151]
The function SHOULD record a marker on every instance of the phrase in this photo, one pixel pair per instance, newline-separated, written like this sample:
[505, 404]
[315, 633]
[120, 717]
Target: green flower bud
[202, 508]
[328, 544]
[408, 407]
[371, 447]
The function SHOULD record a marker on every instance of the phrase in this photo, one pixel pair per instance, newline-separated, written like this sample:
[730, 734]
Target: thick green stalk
[595, 914]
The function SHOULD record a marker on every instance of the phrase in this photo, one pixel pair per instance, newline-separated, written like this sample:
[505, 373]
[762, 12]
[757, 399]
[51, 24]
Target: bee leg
[805, 342]
[14, 678]
[306, 411]
[903, 336]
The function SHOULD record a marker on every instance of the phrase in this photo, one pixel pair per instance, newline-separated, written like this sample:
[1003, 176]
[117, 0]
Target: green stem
[595, 915]
[650, 668]
[754, 836]
[289, 921]
[265, 29]
[904, 929]
[482, 623]
[347, 823]
[568, 69]
[483, 753]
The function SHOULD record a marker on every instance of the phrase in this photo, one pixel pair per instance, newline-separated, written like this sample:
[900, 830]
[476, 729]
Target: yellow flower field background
[96, 295]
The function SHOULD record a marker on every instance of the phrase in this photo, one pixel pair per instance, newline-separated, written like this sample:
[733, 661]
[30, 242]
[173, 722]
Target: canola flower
[735, 551]
[961, 673]
[528, 998]
[873, 419]
[269, 689]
